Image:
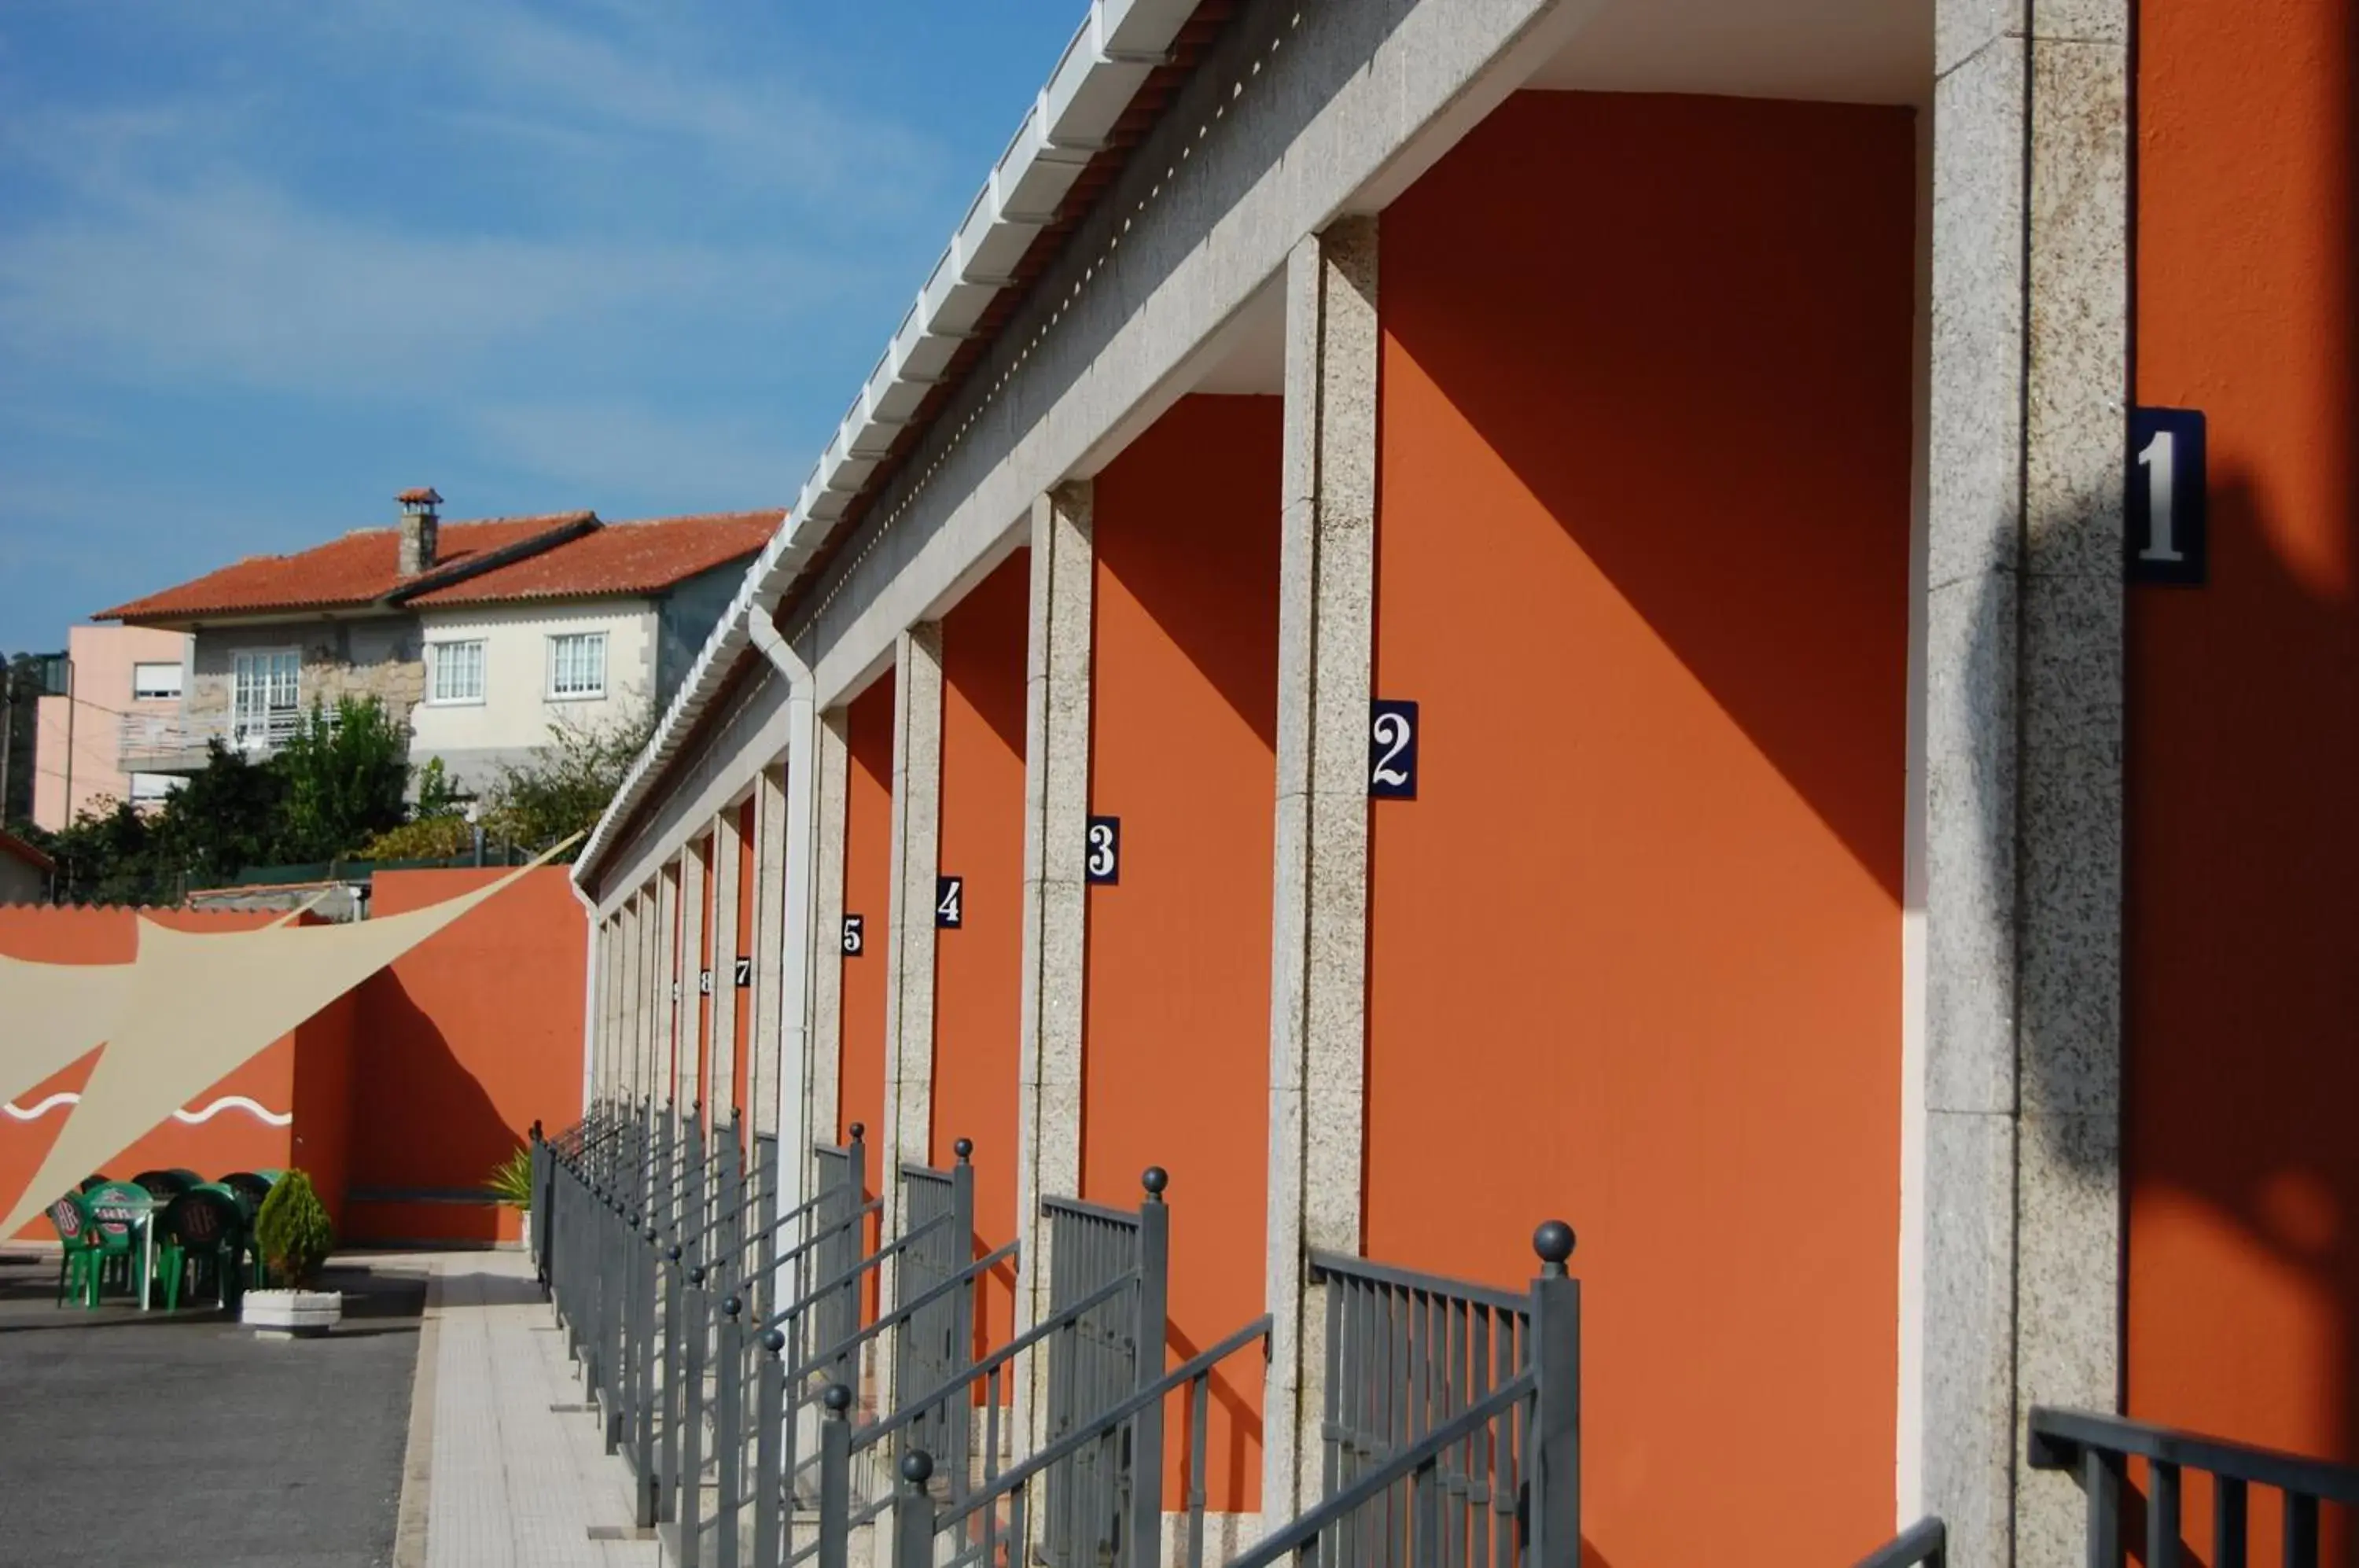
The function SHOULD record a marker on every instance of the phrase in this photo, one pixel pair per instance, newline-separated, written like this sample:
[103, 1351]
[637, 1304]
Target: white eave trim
[1118, 45]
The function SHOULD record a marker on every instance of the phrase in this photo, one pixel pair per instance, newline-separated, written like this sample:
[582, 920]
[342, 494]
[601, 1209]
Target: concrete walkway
[504, 1468]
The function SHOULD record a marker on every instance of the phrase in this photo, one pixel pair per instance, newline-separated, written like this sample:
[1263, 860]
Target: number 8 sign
[1392, 750]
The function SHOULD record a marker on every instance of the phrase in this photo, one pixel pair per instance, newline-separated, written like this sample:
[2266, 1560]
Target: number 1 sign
[2165, 521]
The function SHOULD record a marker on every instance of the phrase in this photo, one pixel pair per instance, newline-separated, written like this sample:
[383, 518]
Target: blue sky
[263, 264]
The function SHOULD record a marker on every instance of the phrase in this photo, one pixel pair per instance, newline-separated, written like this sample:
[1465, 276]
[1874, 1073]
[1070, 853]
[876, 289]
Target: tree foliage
[346, 778]
[335, 790]
[567, 785]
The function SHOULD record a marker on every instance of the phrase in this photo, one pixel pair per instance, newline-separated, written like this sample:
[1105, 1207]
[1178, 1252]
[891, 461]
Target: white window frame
[434, 653]
[261, 728]
[556, 641]
[153, 789]
[180, 680]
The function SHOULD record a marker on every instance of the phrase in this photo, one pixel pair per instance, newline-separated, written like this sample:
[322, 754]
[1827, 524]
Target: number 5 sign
[2168, 540]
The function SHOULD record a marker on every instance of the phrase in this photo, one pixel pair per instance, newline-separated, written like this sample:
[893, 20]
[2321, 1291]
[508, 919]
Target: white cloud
[238, 281]
[674, 196]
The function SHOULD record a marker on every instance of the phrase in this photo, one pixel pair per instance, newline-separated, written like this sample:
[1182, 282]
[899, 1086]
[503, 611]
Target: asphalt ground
[183, 1439]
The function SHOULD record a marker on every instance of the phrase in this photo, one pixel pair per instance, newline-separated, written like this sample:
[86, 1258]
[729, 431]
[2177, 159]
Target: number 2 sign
[2165, 523]
[1392, 750]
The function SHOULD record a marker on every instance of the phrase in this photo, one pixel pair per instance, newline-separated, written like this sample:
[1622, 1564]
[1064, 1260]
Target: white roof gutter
[1071, 119]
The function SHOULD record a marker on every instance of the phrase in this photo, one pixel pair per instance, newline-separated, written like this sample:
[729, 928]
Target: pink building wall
[102, 658]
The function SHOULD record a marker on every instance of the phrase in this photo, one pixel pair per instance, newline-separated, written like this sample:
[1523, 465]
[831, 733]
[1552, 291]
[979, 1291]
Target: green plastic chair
[165, 1185]
[117, 1210]
[201, 1233]
[251, 1187]
[77, 1250]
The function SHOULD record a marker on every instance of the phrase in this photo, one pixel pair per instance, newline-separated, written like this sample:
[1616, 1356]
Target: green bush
[294, 1231]
[429, 838]
[511, 1180]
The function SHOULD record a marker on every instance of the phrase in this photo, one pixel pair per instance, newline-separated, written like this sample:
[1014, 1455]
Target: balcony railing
[161, 743]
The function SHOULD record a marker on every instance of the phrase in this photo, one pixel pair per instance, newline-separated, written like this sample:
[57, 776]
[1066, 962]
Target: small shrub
[511, 1180]
[429, 838]
[294, 1231]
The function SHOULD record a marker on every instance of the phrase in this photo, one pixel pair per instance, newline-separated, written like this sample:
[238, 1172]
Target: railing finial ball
[1553, 1241]
[838, 1398]
[696, 1275]
[859, 1132]
[671, 1253]
[917, 1467]
[1155, 1179]
[963, 1148]
[773, 1341]
[733, 1306]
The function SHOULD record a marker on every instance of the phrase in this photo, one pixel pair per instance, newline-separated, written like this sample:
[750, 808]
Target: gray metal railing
[1113, 1348]
[1451, 1420]
[1925, 1544]
[1407, 1353]
[937, 1337]
[665, 1254]
[1426, 1501]
[2099, 1447]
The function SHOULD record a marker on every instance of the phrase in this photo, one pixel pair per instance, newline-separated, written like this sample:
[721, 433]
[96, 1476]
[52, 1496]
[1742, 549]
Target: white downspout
[801, 845]
[588, 994]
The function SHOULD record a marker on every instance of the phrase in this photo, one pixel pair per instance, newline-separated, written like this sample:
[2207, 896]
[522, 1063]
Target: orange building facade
[1546, 611]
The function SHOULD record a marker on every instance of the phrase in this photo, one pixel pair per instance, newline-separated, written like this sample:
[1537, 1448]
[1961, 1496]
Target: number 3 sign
[1392, 750]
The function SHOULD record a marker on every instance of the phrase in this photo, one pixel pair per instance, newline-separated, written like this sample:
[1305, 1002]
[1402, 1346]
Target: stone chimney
[419, 526]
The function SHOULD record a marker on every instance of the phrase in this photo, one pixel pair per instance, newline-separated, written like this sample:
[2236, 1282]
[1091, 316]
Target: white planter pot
[524, 1231]
[291, 1314]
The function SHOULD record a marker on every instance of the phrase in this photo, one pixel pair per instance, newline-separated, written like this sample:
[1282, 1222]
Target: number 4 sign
[2165, 522]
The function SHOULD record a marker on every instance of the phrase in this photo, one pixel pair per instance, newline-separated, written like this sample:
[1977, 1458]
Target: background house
[479, 634]
[124, 679]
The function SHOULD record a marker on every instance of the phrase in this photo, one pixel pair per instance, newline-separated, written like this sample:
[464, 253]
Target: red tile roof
[359, 569]
[562, 555]
[11, 845]
[619, 558]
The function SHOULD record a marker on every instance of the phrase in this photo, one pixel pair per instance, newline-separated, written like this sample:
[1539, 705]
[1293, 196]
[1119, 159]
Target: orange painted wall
[1184, 725]
[230, 1139]
[2242, 967]
[701, 979]
[741, 997]
[460, 1045]
[326, 1071]
[1634, 952]
[867, 892]
[978, 968]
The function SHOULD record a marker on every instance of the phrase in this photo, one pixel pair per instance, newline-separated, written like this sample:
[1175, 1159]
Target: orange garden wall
[1184, 723]
[867, 892]
[2242, 985]
[404, 1093]
[460, 1045]
[230, 1137]
[1635, 961]
[978, 968]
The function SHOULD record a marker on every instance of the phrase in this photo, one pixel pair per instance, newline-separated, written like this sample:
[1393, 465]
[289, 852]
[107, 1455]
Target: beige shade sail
[187, 1010]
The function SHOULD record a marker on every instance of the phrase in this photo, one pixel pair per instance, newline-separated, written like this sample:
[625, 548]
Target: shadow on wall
[2240, 1002]
[423, 1128]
